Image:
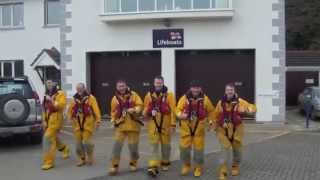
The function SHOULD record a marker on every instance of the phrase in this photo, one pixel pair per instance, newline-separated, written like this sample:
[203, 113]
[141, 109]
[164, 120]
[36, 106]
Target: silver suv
[20, 109]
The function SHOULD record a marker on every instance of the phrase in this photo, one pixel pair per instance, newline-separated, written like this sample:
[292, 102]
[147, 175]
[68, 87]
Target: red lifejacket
[196, 106]
[81, 106]
[49, 106]
[232, 115]
[123, 104]
[160, 104]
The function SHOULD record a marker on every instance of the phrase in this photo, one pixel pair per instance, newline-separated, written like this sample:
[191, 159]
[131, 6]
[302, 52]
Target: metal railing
[156, 6]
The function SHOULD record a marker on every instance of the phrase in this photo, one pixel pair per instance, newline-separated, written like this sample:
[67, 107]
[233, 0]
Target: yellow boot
[223, 172]
[197, 172]
[235, 171]
[165, 166]
[153, 171]
[66, 152]
[90, 159]
[114, 167]
[113, 171]
[46, 167]
[82, 161]
[48, 160]
[185, 169]
[133, 165]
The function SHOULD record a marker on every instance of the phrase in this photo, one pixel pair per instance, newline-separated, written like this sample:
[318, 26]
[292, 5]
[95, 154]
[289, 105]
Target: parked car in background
[309, 99]
[20, 109]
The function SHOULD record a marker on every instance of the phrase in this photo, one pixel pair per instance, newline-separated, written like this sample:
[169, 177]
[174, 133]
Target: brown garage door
[296, 82]
[138, 68]
[216, 68]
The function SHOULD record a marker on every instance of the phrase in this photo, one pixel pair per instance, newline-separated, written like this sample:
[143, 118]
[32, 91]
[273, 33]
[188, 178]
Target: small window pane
[164, 5]
[54, 12]
[221, 3]
[6, 15]
[146, 5]
[7, 66]
[201, 4]
[112, 6]
[18, 15]
[18, 69]
[182, 4]
[129, 5]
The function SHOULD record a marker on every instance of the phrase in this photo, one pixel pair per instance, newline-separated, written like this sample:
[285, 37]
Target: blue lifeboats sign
[168, 38]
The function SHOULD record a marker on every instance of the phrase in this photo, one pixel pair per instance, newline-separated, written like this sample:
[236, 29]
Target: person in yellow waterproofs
[159, 112]
[230, 129]
[54, 104]
[85, 115]
[126, 108]
[193, 109]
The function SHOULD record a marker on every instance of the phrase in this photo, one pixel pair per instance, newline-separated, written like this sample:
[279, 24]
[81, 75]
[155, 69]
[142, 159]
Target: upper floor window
[141, 6]
[53, 12]
[11, 15]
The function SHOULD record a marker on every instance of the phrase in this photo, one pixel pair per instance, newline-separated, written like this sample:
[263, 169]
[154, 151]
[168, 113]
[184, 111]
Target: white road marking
[67, 133]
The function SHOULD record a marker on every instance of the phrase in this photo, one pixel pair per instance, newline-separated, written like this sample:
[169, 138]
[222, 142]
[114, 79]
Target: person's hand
[153, 112]
[44, 125]
[131, 110]
[172, 130]
[98, 123]
[212, 126]
[48, 98]
[184, 116]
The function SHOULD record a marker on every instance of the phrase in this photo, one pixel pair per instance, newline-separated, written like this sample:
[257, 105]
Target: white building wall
[26, 43]
[250, 28]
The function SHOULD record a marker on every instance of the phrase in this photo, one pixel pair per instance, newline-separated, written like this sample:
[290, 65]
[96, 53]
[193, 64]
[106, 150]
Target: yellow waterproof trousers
[195, 143]
[84, 145]
[160, 142]
[228, 145]
[133, 146]
[51, 143]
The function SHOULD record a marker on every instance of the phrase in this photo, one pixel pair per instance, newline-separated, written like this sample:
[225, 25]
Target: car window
[19, 87]
[307, 91]
[316, 93]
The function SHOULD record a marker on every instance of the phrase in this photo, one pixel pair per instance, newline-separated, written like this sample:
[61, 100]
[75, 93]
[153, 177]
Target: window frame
[46, 16]
[13, 64]
[11, 5]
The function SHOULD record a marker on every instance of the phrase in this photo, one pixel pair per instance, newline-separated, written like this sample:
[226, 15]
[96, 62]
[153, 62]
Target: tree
[303, 24]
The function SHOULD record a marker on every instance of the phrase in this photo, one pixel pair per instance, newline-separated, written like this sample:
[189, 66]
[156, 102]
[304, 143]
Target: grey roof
[303, 58]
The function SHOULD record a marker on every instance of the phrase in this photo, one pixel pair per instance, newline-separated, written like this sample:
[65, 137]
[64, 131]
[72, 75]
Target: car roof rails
[20, 78]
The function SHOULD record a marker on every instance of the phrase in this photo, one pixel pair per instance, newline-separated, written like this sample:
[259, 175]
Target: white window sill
[9, 28]
[51, 26]
[183, 14]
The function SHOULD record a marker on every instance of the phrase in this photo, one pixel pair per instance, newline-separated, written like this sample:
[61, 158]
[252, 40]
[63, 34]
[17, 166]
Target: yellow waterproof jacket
[129, 121]
[168, 120]
[243, 107]
[79, 120]
[185, 124]
[54, 120]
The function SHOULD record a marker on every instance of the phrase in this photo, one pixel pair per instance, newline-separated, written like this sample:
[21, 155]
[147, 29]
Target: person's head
[121, 86]
[81, 88]
[51, 85]
[230, 90]
[158, 83]
[195, 88]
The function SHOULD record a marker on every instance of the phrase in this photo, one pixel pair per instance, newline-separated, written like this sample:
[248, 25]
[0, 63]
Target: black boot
[153, 171]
